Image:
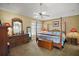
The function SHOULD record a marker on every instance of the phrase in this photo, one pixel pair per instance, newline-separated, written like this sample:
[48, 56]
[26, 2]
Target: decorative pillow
[56, 33]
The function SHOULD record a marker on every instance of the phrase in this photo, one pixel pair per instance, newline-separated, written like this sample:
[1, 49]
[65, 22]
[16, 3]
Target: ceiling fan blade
[46, 15]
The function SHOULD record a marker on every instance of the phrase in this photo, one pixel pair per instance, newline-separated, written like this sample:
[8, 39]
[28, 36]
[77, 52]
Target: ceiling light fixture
[41, 13]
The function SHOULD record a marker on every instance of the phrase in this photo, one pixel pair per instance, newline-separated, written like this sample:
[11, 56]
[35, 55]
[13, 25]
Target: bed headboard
[56, 30]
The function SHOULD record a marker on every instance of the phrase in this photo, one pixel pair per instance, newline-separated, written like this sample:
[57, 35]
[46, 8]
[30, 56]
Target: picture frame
[55, 23]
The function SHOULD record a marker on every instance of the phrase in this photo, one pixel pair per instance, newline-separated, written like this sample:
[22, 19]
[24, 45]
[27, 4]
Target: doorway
[35, 29]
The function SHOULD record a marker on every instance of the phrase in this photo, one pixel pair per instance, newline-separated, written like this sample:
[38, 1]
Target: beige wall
[71, 21]
[7, 17]
[49, 24]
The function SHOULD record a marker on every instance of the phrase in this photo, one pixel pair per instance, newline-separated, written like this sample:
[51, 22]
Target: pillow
[56, 33]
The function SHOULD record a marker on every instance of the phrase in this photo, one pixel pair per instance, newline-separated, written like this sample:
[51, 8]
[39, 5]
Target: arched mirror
[17, 26]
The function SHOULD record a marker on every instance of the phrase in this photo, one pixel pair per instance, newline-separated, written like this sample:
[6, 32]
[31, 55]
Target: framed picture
[55, 23]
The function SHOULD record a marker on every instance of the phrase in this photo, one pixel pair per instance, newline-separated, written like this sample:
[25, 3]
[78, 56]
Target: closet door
[3, 41]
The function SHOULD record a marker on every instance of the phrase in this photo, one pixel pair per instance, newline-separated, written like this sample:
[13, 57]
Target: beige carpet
[32, 49]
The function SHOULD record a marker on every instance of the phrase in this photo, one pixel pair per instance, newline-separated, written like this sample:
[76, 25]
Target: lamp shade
[7, 24]
[73, 30]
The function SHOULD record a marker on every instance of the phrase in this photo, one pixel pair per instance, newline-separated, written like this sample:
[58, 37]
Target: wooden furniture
[3, 40]
[61, 29]
[17, 40]
[73, 41]
[45, 44]
[57, 45]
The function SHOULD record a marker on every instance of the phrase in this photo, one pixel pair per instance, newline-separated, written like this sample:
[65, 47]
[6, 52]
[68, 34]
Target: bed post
[65, 27]
[61, 32]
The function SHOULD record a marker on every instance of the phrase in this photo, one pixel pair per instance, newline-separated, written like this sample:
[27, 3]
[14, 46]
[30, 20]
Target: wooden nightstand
[73, 41]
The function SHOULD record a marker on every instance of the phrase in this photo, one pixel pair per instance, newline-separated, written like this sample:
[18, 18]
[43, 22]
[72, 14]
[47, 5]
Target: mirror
[17, 26]
[28, 29]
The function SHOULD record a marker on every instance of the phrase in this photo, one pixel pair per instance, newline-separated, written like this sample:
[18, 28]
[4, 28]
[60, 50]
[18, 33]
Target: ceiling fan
[42, 13]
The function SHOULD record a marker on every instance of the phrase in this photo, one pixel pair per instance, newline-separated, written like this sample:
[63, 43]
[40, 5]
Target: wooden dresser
[45, 44]
[17, 40]
[3, 40]
[73, 41]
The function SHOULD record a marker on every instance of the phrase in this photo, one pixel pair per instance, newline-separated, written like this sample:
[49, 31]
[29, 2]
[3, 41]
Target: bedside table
[72, 41]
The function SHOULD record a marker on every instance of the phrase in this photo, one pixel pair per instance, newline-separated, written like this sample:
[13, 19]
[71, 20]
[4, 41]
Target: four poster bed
[57, 36]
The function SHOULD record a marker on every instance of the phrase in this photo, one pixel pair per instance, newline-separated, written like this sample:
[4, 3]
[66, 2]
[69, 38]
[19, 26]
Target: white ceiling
[55, 10]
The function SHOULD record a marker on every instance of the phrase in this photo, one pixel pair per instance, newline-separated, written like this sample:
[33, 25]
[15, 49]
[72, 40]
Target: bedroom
[54, 23]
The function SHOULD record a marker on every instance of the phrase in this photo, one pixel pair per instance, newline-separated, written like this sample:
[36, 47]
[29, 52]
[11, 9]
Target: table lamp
[73, 33]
